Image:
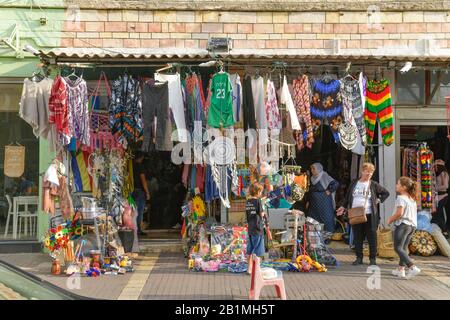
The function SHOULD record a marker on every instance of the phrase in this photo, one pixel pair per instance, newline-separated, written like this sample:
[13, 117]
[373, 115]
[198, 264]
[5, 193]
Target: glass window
[411, 87]
[14, 129]
[443, 90]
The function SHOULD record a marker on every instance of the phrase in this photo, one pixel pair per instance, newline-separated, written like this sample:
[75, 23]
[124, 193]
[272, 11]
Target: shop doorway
[167, 194]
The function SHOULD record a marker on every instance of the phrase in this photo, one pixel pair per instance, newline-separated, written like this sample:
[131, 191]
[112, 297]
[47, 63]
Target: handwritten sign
[14, 161]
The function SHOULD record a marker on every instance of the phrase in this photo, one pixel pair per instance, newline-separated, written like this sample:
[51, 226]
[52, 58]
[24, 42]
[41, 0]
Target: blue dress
[321, 204]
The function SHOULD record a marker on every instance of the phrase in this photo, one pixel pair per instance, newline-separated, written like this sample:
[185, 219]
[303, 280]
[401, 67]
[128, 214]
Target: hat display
[439, 162]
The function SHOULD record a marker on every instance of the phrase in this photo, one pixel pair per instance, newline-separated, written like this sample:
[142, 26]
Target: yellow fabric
[83, 172]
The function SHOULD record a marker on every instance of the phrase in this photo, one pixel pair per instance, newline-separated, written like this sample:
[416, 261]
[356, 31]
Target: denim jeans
[402, 237]
[139, 198]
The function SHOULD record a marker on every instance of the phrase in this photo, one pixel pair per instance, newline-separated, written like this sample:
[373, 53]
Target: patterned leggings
[302, 106]
[351, 97]
[379, 104]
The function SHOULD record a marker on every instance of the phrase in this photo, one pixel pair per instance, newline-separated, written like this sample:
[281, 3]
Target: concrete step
[20, 246]
[148, 246]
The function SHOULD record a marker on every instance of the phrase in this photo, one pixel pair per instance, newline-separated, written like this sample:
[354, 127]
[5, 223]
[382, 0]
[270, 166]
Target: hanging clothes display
[238, 113]
[302, 103]
[286, 99]
[126, 110]
[248, 104]
[327, 105]
[416, 164]
[426, 161]
[194, 101]
[220, 113]
[34, 109]
[272, 111]
[175, 102]
[58, 107]
[353, 107]
[155, 109]
[379, 105]
[350, 99]
[260, 109]
[77, 103]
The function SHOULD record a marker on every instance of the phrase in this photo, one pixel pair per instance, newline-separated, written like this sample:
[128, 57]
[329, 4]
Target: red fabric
[58, 106]
[200, 179]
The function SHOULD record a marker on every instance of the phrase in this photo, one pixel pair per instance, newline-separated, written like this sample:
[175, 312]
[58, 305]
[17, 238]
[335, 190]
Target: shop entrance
[167, 192]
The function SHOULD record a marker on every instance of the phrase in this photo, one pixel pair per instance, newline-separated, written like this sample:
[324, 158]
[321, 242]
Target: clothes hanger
[168, 66]
[37, 76]
[326, 77]
[73, 74]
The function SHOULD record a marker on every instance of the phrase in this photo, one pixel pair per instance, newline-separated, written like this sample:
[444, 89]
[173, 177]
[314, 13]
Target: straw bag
[384, 236]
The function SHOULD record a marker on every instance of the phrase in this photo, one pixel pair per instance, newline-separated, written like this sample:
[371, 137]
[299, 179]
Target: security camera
[31, 50]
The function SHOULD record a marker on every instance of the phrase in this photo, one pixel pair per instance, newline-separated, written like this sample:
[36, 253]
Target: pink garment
[185, 175]
[272, 111]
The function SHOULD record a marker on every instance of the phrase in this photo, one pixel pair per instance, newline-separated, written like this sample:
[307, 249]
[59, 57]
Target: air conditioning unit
[219, 45]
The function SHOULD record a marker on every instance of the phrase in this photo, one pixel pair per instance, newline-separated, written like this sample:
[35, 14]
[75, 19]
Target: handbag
[358, 215]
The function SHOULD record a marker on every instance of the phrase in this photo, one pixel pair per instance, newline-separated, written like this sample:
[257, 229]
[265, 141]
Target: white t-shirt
[359, 196]
[409, 214]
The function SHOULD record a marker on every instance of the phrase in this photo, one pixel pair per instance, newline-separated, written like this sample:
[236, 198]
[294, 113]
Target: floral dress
[272, 111]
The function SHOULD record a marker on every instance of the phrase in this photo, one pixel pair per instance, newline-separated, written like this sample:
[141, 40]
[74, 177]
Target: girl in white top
[405, 222]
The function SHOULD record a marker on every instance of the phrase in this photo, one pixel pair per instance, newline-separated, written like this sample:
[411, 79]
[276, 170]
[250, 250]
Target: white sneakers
[412, 272]
[401, 273]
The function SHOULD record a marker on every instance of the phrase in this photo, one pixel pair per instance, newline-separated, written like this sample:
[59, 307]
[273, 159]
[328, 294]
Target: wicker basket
[387, 251]
[384, 251]
[384, 237]
[337, 236]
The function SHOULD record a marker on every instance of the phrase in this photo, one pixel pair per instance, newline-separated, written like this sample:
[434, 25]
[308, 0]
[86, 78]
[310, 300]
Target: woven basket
[384, 237]
[337, 236]
[387, 251]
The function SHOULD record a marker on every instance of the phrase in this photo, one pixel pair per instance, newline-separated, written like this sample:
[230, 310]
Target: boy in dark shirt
[255, 213]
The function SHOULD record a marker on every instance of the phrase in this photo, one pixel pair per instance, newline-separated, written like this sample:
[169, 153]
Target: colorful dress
[272, 111]
[303, 109]
[327, 105]
[77, 100]
[379, 104]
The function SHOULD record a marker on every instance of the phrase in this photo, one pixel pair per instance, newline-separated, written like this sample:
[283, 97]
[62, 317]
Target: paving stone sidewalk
[165, 276]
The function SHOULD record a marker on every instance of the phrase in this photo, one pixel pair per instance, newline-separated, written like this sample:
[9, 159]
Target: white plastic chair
[27, 217]
[10, 213]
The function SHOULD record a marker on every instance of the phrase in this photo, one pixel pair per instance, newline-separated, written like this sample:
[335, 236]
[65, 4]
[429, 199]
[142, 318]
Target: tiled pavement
[165, 276]
[104, 287]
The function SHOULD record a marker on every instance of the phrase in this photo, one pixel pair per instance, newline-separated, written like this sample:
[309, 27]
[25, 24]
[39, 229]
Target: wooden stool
[258, 282]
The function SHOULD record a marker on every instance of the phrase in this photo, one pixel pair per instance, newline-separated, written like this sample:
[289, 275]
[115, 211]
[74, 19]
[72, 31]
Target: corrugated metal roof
[402, 54]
